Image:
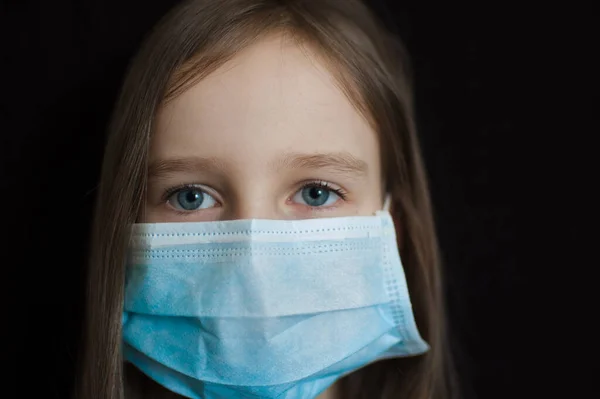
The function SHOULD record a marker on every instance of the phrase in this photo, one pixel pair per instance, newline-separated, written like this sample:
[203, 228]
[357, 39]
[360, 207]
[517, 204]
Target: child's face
[269, 135]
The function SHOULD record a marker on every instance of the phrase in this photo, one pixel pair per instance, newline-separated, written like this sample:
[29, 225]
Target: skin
[249, 138]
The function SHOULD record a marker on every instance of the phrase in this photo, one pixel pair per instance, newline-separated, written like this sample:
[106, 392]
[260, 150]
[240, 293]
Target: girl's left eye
[318, 195]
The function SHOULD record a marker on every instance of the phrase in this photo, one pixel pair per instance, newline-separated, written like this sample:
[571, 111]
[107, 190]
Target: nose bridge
[255, 198]
[254, 210]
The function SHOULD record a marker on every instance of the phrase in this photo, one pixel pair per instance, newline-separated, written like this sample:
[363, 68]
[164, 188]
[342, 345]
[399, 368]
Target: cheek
[376, 192]
[369, 199]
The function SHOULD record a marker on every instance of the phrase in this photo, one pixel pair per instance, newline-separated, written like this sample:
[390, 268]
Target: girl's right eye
[189, 199]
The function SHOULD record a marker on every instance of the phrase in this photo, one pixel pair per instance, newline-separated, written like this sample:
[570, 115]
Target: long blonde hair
[371, 68]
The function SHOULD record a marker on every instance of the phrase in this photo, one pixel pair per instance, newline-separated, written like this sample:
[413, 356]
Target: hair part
[371, 68]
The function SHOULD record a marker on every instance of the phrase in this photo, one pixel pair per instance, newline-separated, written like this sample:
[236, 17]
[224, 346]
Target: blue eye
[191, 199]
[317, 195]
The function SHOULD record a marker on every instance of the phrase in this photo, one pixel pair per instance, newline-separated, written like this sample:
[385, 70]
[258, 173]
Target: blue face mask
[265, 308]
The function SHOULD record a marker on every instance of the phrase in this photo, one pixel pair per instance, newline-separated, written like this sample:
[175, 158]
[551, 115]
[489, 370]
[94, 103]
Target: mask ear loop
[387, 202]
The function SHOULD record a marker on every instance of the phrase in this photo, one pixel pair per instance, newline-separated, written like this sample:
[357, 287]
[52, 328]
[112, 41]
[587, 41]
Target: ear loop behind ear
[387, 202]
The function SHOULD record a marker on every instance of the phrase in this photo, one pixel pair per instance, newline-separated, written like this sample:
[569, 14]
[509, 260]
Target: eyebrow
[166, 167]
[336, 162]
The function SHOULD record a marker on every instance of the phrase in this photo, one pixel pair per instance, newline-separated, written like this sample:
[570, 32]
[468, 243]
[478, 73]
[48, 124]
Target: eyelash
[340, 192]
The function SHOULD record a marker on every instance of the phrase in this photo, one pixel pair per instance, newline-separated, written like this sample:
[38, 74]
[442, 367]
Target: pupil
[315, 192]
[192, 196]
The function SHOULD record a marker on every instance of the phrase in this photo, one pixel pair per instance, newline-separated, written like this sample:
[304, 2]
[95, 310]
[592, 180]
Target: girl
[243, 246]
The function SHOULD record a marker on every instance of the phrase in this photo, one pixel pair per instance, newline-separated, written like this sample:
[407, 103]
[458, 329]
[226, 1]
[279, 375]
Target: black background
[476, 69]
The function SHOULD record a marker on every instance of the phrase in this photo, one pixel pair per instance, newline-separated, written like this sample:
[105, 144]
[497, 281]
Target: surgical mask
[265, 308]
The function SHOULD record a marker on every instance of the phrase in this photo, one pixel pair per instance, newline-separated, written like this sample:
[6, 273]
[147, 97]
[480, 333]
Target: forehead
[274, 97]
